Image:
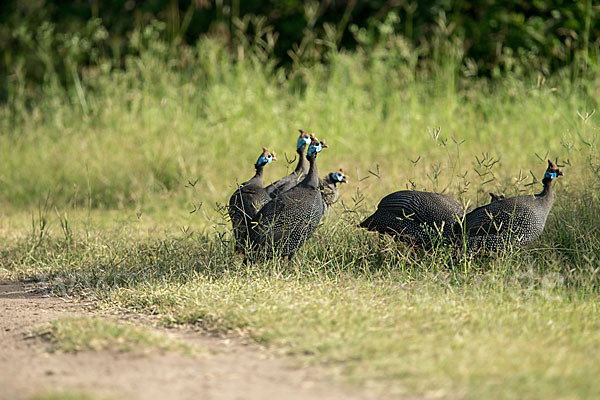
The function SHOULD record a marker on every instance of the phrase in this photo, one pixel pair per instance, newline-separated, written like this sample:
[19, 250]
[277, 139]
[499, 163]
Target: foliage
[134, 137]
[46, 40]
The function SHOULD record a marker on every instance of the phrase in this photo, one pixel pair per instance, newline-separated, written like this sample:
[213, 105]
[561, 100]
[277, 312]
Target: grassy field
[92, 333]
[98, 201]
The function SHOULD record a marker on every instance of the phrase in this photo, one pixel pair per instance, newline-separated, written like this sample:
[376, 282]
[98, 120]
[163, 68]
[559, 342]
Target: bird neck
[257, 178]
[312, 177]
[330, 183]
[329, 192]
[302, 167]
[547, 193]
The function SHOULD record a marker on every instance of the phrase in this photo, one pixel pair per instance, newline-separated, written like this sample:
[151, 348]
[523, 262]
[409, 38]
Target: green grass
[65, 396]
[117, 226]
[93, 333]
[149, 129]
[419, 339]
[373, 311]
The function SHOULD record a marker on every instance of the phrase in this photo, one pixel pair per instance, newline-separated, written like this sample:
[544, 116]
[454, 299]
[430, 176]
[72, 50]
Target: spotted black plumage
[328, 187]
[245, 202]
[287, 182]
[511, 222]
[287, 221]
[415, 216]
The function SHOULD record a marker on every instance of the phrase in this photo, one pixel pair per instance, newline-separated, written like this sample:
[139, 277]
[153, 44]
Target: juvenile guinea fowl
[329, 189]
[414, 216]
[510, 222]
[287, 221]
[245, 202]
[287, 182]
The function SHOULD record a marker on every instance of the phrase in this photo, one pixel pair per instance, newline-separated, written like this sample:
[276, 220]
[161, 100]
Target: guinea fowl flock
[279, 218]
[282, 216]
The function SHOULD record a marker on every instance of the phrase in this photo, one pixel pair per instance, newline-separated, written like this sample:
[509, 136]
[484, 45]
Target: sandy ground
[228, 370]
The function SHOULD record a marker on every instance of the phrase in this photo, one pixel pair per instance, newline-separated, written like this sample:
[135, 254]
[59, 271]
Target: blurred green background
[118, 104]
[496, 36]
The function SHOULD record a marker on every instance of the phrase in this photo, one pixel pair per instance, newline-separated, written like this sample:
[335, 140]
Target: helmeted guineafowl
[415, 217]
[329, 189]
[245, 202]
[287, 182]
[287, 221]
[496, 197]
[511, 222]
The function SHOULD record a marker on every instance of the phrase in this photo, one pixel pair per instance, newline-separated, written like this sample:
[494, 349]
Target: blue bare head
[552, 172]
[265, 158]
[338, 177]
[315, 147]
[303, 140]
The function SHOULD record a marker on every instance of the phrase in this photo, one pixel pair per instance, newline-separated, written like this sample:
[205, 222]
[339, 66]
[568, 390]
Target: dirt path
[231, 370]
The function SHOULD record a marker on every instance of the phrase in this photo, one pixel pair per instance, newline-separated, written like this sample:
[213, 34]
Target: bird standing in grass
[287, 182]
[511, 222]
[329, 189]
[415, 217]
[287, 221]
[245, 202]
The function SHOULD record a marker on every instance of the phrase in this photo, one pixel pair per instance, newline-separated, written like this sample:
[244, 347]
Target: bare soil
[229, 369]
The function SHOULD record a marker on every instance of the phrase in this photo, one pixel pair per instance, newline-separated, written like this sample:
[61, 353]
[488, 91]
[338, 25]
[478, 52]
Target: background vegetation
[88, 86]
[494, 37]
[124, 129]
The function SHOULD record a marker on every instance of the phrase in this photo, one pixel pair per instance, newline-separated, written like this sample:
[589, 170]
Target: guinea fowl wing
[498, 217]
[284, 184]
[269, 222]
[421, 207]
